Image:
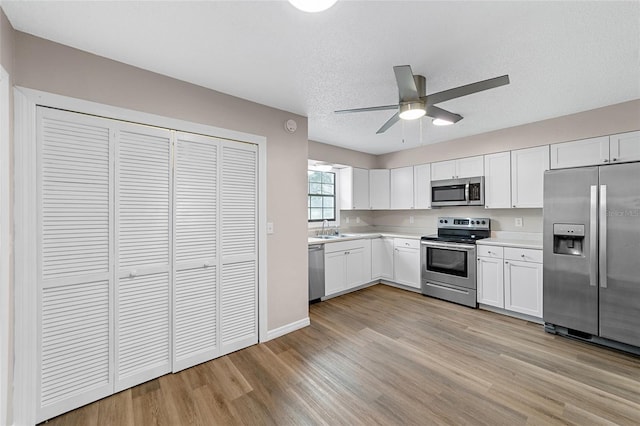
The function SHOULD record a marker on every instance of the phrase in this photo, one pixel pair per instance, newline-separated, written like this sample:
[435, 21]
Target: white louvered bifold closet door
[143, 249]
[196, 264]
[74, 187]
[239, 246]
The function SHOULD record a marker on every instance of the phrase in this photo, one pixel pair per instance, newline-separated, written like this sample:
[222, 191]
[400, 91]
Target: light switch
[410, 219]
[269, 227]
[357, 219]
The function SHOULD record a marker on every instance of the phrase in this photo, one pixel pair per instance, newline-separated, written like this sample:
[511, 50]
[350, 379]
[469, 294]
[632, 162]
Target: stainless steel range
[448, 259]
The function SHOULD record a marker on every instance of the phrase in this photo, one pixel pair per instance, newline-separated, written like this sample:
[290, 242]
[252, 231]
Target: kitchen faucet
[324, 223]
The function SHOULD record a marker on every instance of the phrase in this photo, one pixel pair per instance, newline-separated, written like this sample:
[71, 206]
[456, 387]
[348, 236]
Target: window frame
[334, 196]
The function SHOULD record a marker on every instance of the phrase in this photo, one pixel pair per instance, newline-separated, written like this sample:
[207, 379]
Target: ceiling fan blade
[377, 108]
[435, 112]
[406, 84]
[468, 89]
[393, 120]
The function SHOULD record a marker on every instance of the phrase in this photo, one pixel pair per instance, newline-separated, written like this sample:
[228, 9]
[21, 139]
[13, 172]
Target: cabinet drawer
[525, 255]
[406, 243]
[343, 245]
[490, 251]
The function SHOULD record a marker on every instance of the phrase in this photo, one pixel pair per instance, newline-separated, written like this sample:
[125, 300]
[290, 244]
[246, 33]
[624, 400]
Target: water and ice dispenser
[568, 238]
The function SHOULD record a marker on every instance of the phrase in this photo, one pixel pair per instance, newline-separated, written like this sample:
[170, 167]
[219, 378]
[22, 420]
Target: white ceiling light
[412, 110]
[441, 122]
[312, 5]
[322, 166]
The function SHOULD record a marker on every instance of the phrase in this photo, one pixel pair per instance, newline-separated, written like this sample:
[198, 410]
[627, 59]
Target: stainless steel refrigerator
[592, 254]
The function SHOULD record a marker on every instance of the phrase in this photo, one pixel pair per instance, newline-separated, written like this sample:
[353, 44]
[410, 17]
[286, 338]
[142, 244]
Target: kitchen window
[321, 200]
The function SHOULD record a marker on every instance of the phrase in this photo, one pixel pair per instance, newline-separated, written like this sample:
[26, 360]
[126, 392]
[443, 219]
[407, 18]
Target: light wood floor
[387, 356]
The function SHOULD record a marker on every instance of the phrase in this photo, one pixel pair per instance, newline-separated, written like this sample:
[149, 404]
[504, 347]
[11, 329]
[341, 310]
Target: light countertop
[358, 236]
[528, 243]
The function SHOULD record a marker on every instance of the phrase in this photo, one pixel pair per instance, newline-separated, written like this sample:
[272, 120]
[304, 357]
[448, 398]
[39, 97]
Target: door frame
[5, 247]
[25, 102]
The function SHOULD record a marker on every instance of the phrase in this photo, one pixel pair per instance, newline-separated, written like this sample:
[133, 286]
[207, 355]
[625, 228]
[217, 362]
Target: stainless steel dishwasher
[316, 272]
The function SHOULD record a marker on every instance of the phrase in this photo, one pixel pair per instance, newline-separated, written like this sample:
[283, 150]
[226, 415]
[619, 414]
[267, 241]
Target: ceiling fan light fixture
[412, 110]
[312, 6]
[441, 122]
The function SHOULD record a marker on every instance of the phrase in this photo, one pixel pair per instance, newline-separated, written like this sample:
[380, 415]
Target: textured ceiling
[562, 57]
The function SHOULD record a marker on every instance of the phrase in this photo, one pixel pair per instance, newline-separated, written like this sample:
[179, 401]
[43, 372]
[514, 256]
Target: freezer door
[570, 291]
[620, 253]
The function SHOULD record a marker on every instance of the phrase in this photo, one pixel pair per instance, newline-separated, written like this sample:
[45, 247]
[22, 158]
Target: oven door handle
[450, 246]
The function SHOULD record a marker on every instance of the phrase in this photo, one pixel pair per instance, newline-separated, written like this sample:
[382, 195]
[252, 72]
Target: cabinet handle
[606, 160]
[207, 264]
[514, 205]
[506, 263]
[522, 255]
[133, 274]
[615, 159]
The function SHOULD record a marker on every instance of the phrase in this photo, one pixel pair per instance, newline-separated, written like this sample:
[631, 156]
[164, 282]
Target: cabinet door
[402, 188]
[527, 176]
[382, 258]
[195, 320]
[443, 170]
[625, 147]
[356, 267]
[379, 188]
[490, 273]
[407, 266]
[422, 186]
[497, 180]
[335, 272]
[360, 188]
[470, 167]
[143, 251]
[523, 287]
[584, 152]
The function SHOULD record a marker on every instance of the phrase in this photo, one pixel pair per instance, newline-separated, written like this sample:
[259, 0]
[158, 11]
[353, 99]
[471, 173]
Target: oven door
[449, 263]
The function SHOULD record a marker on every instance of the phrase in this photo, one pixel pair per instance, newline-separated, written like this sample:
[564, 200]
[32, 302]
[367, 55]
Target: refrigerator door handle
[593, 237]
[602, 261]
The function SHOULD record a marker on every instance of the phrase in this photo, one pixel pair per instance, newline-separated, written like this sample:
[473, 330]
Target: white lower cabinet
[406, 262]
[347, 264]
[490, 276]
[382, 258]
[511, 279]
[523, 281]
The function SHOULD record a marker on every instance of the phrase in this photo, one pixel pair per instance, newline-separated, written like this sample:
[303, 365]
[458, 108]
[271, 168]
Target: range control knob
[472, 222]
[483, 222]
[441, 220]
[446, 221]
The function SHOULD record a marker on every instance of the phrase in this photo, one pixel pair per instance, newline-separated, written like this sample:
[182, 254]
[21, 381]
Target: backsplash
[424, 221]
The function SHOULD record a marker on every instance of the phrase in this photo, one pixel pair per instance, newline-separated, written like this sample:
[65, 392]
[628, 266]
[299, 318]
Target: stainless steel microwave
[458, 192]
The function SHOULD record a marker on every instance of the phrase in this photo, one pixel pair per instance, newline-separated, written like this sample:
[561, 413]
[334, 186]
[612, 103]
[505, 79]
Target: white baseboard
[287, 328]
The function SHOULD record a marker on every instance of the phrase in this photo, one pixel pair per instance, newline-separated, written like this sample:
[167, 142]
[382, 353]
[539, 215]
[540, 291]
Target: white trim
[25, 283]
[5, 247]
[25, 101]
[287, 328]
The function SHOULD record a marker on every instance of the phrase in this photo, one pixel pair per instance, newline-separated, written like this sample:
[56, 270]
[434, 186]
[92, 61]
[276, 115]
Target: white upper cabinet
[422, 186]
[618, 148]
[624, 147]
[497, 180]
[460, 168]
[443, 170]
[584, 152]
[402, 189]
[354, 189]
[379, 189]
[527, 176]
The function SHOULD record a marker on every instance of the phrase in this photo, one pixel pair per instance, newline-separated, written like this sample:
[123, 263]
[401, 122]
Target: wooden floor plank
[386, 356]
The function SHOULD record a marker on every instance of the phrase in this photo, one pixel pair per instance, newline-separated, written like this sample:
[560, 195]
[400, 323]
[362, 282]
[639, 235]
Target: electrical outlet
[411, 219]
[357, 219]
[346, 220]
[269, 227]
[519, 222]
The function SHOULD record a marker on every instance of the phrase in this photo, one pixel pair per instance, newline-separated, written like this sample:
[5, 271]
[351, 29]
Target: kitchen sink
[335, 237]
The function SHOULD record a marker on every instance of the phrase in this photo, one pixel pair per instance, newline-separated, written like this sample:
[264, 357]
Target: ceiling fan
[414, 102]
